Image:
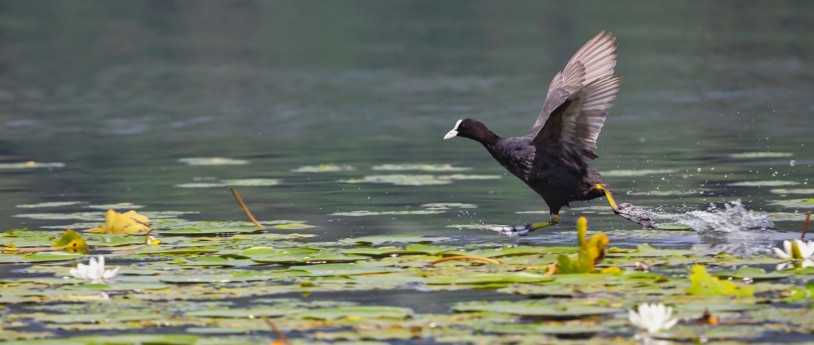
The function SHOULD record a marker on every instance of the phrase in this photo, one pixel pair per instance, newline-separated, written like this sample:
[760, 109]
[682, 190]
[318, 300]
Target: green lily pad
[673, 226]
[421, 167]
[209, 231]
[761, 155]
[448, 205]
[376, 240]
[773, 183]
[640, 172]
[797, 203]
[253, 182]
[52, 256]
[368, 312]
[30, 165]
[790, 191]
[323, 168]
[400, 180]
[50, 204]
[212, 161]
[536, 309]
[365, 213]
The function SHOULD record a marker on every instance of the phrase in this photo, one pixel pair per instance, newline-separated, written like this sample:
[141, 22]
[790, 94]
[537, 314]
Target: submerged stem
[466, 257]
[245, 209]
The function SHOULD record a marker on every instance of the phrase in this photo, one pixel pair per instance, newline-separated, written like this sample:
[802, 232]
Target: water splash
[730, 217]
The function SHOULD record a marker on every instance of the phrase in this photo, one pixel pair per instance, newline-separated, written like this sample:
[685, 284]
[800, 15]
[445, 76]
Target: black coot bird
[552, 157]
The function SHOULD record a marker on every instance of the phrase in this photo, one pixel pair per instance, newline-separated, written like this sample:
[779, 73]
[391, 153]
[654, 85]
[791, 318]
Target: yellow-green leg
[626, 210]
[608, 195]
[523, 230]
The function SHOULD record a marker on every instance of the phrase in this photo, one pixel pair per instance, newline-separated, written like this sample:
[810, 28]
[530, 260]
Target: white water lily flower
[94, 271]
[653, 317]
[806, 250]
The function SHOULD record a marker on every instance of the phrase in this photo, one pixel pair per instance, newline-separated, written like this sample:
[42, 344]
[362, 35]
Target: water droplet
[699, 169]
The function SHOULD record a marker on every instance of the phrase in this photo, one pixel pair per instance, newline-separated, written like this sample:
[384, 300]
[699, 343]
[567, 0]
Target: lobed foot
[636, 215]
[523, 230]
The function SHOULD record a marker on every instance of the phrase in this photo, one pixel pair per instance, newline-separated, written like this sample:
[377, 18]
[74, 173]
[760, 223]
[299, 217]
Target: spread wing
[576, 123]
[594, 60]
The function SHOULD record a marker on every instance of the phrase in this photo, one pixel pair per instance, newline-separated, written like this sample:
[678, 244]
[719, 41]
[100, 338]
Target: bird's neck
[489, 139]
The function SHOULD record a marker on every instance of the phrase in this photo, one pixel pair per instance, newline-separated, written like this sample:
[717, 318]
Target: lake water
[119, 91]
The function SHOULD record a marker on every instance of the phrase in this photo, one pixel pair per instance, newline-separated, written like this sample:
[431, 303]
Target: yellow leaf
[591, 251]
[705, 284]
[72, 242]
[129, 222]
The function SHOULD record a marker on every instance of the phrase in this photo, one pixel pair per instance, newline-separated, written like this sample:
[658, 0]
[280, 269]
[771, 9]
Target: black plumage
[552, 158]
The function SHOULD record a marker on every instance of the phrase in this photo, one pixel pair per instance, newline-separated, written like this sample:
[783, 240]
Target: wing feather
[577, 122]
[595, 59]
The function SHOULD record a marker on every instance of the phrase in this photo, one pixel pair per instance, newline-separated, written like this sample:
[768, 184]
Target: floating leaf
[331, 167]
[641, 172]
[129, 222]
[790, 191]
[52, 256]
[591, 251]
[536, 309]
[705, 284]
[72, 242]
[50, 204]
[376, 240]
[773, 183]
[798, 203]
[212, 161]
[117, 205]
[30, 165]
[761, 155]
[421, 167]
[365, 213]
[400, 180]
[253, 182]
[673, 226]
[660, 192]
[369, 312]
[448, 205]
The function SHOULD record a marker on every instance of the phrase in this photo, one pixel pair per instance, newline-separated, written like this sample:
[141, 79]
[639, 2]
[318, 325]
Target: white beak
[451, 134]
[454, 132]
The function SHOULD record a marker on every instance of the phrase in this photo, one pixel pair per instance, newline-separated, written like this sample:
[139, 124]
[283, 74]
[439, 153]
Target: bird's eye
[463, 126]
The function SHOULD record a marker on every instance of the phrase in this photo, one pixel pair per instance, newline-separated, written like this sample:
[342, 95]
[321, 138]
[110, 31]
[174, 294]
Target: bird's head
[468, 128]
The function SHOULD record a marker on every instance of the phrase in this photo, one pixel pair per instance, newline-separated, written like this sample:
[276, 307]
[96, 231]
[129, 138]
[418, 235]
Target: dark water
[118, 91]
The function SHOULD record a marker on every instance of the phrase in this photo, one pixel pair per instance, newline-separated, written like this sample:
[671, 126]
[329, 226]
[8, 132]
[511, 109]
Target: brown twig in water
[243, 206]
[281, 338]
[805, 226]
[467, 257]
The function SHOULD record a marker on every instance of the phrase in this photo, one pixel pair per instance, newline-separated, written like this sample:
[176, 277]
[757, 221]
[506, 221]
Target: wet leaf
[51, 256]
[536, 309]
[790, 191]
[705, 284]
[129, 222]
[765, 154]
[641, 172]
[369, 312]
[799, 203]
[30, 165]
[50, 204]
[212, 161]
[72, 242]
[330, 167]
[773, 183]
[376, 240]
[422, 167]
